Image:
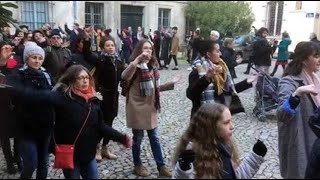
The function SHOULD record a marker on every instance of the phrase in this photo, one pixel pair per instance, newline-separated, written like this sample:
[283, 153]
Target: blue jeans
[155, 146]
[35, 155]
[87, 171]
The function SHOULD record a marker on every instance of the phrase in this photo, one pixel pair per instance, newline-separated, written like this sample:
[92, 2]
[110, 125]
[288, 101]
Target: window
[93, 14]
[164, 18]
[298, 5]
[34, 13]
[274, 17]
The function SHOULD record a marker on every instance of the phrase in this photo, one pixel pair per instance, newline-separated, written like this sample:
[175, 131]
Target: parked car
[243, 46]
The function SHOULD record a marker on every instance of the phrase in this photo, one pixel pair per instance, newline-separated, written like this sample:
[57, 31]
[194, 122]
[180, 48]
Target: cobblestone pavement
[173, 121]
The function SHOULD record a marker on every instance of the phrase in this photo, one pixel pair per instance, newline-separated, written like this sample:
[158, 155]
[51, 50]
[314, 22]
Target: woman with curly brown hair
[207, 149]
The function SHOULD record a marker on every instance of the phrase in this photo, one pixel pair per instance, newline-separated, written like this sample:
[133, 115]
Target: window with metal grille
[164, 18]
[274, 17]
[34, 14]
[94, 14]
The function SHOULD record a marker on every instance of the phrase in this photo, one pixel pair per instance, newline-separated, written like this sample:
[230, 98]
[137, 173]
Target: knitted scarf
[219, 79]
[146, 82]
[313, 80]
[85, 94]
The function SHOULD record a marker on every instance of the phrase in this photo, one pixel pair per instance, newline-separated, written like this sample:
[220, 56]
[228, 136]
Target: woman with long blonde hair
[207, 149]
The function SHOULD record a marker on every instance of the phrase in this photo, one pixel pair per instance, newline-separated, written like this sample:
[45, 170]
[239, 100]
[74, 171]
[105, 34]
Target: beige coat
[174, 45]
[140, 111]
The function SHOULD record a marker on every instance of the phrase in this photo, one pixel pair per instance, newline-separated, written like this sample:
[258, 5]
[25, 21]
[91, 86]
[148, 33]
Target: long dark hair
[138, 50]
[302, 52]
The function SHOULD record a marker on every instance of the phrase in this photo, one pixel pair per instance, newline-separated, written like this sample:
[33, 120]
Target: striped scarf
[147, 84]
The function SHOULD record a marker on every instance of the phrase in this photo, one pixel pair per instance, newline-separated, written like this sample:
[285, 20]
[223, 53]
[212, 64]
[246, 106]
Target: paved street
[173, 121]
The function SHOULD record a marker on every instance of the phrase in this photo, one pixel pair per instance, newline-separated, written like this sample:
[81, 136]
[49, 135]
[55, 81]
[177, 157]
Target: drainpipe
[74, 10]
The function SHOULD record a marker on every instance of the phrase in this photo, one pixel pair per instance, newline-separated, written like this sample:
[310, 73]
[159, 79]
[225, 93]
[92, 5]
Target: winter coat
[56, 60]
[198, 85]
[261, 52]
[246, 170]
[86, 58]
[283, 53]
[312, 171]
[108, 76]
[34, 119]
[165, 46]
[174, 45]
[70, 114]
[229, 56]
[295, 135]
[140, 110]
[8, 120]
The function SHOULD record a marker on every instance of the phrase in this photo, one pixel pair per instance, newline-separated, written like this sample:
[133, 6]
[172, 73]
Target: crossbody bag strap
[85, 121]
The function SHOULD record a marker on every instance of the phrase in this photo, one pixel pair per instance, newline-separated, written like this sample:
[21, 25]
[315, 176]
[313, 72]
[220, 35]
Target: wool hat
[32, 48]
[55, 32]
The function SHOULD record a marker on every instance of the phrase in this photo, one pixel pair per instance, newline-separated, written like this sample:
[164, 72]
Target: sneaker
[140, 171]
[189, 69]
[164, 172]
[176, 68]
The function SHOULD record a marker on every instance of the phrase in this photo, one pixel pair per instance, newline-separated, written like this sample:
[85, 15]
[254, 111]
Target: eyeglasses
[83, 78]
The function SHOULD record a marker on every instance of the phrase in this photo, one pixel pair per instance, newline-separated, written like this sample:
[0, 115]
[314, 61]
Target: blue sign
[309, 15]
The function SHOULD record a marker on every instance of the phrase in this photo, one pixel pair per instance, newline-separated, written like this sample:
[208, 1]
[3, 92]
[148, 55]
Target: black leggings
[8, 155]
[174, 58]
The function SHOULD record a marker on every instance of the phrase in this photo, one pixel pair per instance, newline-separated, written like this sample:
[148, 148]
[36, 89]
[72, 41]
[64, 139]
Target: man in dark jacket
[262, 51]
[77, 31]
[56, 56]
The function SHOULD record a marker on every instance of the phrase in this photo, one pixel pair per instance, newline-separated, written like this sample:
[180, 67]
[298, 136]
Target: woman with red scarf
[73, 98]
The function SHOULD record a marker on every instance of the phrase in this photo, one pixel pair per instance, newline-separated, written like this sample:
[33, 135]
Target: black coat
[108, 76]
[229, 56]
[262, 52]
[8, 124]
[70, 115]
[198, 85]
[34, 119]
[312, 171]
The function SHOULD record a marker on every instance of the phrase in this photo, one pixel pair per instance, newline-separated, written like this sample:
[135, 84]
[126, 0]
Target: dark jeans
[174, 58]
[35, 155]
[86, 170]
[8, 155]
[155, 146]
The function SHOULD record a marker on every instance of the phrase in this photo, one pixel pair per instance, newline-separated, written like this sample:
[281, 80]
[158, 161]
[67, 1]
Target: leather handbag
[64, 153]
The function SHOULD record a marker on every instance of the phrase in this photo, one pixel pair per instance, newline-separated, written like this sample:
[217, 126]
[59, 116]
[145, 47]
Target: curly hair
[202, 133]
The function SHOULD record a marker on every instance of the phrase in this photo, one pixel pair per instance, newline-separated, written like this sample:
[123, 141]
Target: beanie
[55, 32]
[32, 48]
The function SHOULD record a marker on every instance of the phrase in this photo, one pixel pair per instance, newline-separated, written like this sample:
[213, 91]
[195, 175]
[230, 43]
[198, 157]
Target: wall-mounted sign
[309, 15]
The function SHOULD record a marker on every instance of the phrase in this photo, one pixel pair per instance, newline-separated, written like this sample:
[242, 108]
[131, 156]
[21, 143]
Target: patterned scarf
[85, 94]
[220, 82]
[313, 80]
[147, 84]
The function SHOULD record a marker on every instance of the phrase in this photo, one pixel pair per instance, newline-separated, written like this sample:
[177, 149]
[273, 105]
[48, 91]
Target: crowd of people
[62, 87]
